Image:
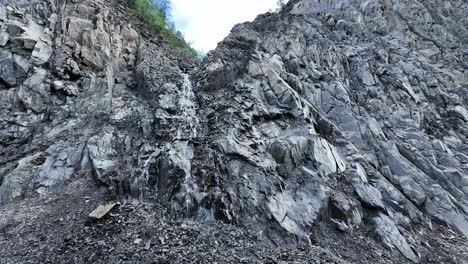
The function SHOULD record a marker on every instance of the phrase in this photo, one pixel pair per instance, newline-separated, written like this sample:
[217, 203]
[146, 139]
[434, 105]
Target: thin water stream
[187, 130]
[187, 111]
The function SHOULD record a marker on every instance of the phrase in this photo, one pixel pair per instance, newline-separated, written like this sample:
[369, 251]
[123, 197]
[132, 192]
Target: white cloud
[204, 23]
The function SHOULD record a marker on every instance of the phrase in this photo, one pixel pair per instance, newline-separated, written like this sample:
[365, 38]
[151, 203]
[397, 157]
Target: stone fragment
[22, 65]
[3, 13]
[361, 172]
[168, 102]
[16, 182]
[102, 210]
[76, 27]
[67, 88]
[41, 53]
[148, 245]
[289, 153]
[59, 165]
[34, 92]
[14, 28]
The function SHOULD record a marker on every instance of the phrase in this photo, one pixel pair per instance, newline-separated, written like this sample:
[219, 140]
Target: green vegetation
[156, 14]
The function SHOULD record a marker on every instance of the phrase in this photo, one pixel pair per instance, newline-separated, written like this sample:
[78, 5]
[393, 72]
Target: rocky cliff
[334, 129]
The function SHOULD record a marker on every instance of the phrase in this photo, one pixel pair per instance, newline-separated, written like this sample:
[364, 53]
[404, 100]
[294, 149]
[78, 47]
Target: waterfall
[186, 131]
[187, 111]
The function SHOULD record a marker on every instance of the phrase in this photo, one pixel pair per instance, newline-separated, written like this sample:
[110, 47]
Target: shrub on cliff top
[156, 14]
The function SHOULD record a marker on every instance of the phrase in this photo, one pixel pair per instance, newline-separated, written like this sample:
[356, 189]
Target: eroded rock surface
[362, 98]
[69, 97]
[346, 117]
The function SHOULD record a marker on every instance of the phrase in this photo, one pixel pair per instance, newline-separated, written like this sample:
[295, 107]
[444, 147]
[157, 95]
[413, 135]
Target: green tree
[157, 14]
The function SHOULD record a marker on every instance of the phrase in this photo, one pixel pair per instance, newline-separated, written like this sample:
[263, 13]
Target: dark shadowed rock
[345, 212]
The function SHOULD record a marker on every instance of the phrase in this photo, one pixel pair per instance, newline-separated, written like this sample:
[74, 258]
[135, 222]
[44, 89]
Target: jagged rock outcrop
[69, 101]
[349, 115]
[56, 85]
[358, 98]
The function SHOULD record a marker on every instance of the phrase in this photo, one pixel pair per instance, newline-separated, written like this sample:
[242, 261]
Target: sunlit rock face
[365, 99]
[74, 99]
[349, 114]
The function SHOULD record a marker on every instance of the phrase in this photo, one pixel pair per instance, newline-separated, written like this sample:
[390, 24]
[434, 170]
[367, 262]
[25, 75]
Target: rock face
[54, 85]
[68, 97]
[351, 114]
[357, 98]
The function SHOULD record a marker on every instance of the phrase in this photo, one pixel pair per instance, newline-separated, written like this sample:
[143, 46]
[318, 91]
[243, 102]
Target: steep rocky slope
[69, 91]
[341, 124]
[343, 111]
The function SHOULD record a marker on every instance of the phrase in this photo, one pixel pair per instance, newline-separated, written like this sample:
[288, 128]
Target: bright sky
[204, 23]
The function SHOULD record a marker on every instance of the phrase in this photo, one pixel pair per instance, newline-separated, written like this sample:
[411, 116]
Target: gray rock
[76, 27]
[386, 230]
[41, 53]
[22, 66]
[4, 37]
[326, 157]
[102, 154]
[19, 180]
[295, 212]
[59, 166]
[34, 92]
[345, 212]
[289, 153]
[327, 113]
[7, 71]
[369, 195]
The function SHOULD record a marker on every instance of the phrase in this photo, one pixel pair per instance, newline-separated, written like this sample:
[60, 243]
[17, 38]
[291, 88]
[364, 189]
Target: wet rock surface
[331, 132]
